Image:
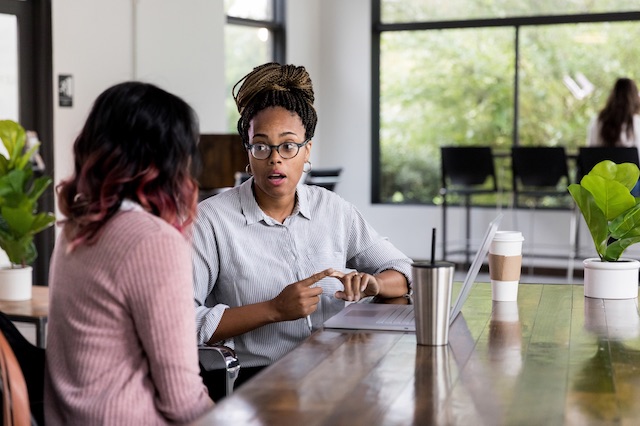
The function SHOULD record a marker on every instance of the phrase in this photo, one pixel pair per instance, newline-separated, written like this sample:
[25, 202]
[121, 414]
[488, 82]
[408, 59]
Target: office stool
[326, 178]
[466, 171]
[540, 173]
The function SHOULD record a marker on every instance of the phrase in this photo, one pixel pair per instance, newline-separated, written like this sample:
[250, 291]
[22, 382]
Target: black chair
[590, 156]
[219, 358]
[326, 178]
[240, 178]
[466, 171]
[540, 174]
[31, 360]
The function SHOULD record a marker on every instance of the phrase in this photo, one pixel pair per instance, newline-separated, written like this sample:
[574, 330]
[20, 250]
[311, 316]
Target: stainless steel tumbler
[432, 284]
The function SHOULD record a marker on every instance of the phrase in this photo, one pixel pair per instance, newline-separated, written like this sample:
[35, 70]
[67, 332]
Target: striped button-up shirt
[242, 256]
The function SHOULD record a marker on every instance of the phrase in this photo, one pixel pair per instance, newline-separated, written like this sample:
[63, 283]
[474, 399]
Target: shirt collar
[254, 214]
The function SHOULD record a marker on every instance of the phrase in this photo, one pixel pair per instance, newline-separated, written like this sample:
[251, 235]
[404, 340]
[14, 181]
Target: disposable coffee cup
[505, 265]
[432, 284]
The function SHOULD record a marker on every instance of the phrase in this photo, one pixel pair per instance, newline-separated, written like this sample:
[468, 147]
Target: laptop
[389, 317]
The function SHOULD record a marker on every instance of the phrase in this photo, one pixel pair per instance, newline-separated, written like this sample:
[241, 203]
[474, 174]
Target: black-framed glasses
[287, 150]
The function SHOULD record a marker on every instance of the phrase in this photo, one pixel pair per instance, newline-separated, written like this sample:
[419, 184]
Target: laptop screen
[472, 273]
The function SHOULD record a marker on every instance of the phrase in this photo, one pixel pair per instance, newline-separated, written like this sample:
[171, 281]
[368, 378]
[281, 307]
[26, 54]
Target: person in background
[618, 124]
[274, 258]
[120, 346]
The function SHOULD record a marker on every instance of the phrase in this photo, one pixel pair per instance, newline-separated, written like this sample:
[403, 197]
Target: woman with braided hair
[274, 258]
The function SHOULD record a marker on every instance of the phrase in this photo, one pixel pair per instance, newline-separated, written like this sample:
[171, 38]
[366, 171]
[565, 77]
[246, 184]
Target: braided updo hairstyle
[273, 85]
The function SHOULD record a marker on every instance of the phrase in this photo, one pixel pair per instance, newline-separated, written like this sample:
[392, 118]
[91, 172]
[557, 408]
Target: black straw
[433, 246]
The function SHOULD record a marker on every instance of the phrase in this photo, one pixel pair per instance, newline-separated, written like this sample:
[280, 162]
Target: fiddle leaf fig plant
[19, 192]
[611, 212]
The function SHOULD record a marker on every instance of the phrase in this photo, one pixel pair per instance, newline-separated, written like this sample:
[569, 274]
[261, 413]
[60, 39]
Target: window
[504, 73]
[254, 35]
[9, 101]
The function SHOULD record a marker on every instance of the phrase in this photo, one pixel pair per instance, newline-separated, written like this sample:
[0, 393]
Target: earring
[247, 170]
[307, 169]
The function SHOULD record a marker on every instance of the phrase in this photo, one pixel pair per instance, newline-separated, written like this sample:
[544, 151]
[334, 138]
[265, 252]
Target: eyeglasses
[287, 150]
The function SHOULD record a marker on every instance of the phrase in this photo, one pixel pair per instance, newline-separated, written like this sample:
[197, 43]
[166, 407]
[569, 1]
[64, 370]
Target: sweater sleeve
[156, 278]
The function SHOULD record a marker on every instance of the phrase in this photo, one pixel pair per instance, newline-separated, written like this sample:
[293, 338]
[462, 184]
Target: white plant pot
[15, 284]
[611, 280]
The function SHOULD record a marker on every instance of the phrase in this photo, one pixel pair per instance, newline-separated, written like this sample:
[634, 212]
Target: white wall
[179, 46]
[91, 41]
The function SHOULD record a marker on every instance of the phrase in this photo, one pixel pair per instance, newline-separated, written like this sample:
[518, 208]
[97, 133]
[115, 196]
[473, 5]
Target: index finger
[317, 277]
[337, 274]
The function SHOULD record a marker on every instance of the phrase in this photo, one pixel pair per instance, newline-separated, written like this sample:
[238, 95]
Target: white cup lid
[508, 236]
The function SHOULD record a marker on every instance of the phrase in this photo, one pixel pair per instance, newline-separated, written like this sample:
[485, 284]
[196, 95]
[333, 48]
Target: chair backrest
[538, 166]
[31, 360]
[590, 156]
[467, 166]
[241, 177]
[15, 398]
[326, 178]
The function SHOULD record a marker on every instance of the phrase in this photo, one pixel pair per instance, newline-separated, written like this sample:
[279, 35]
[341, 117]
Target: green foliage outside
[244, 51]
[441, 10]
[456, 87]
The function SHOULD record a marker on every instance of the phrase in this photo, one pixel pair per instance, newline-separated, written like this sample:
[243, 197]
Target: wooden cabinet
[222, 156]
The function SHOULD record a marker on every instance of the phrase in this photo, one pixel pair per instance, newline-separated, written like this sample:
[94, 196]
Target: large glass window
[566, 74]
[440, 88]
[254, 34]
[486, 79]
[446, 10]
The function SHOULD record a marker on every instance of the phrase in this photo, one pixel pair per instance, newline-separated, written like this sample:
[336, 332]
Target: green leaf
[38, 187]
[627, 225]
[615, 249]
[593, 216]
[13, 135]
[612, 197]
[17, 219]
[41, 222]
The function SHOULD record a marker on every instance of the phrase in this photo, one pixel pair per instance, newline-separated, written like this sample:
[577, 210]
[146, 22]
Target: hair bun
[273, 77]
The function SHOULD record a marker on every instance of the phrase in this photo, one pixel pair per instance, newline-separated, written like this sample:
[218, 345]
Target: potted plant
[612, 215]
[19, 219]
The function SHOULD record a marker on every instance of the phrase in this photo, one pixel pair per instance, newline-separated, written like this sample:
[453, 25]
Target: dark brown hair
[272, 85]
[621, 106]
[139, 143]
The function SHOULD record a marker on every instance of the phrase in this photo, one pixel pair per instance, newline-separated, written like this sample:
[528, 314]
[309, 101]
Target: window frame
[378, 27]
[276, 26]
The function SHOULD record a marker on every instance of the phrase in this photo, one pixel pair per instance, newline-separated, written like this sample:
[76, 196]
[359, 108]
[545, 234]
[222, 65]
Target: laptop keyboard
[399, 316]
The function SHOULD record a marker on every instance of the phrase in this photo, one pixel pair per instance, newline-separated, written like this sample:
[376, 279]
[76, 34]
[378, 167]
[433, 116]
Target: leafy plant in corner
[611, 212]
[19, 192]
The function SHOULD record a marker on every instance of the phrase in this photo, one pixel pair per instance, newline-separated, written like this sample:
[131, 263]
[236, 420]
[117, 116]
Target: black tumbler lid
[437, 264]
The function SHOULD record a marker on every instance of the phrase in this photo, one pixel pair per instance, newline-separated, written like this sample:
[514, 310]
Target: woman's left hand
[356, 285]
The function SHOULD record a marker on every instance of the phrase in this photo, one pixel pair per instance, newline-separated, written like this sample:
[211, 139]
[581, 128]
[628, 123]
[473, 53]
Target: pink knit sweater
[121, 345]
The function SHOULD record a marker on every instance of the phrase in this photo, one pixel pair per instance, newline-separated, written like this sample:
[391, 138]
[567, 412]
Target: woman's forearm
[240, 320]
[392, 284]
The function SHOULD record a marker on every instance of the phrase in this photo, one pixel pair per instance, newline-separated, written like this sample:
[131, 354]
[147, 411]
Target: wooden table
[554, 358]
[35, 311]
